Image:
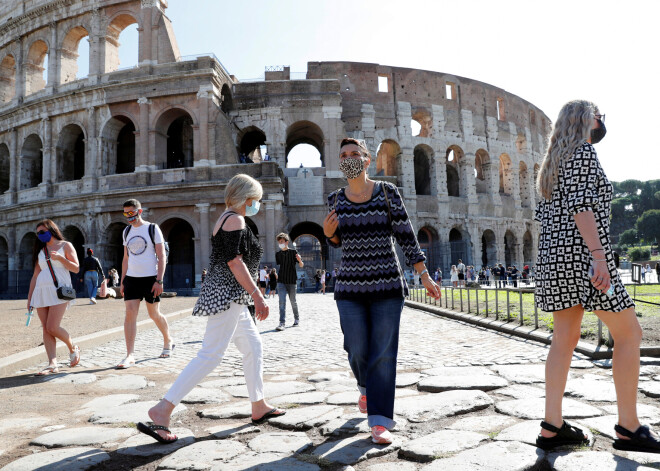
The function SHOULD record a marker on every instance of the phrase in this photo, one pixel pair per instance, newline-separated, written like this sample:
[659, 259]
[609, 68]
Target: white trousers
[233, 324]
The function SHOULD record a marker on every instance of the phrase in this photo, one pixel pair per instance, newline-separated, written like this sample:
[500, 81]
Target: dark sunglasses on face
[130, 214]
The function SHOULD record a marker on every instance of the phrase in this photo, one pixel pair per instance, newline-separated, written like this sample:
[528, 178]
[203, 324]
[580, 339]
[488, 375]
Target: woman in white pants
[225, 295]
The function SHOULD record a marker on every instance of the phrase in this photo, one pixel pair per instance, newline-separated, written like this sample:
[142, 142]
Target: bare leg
[49, 340]
[565, 337]
[627, 334]
[160, 415]
[259, 408]
[130, 324]
[161, 323]
[55, 314]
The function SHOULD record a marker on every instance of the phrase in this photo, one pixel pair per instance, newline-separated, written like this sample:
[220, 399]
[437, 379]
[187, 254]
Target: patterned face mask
[352, 168]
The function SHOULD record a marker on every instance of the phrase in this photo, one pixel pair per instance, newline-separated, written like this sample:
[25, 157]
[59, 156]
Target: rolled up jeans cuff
[381, 420]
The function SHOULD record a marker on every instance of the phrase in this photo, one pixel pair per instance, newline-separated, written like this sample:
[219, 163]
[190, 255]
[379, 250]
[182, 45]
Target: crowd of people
[364, 218]
[497, 276]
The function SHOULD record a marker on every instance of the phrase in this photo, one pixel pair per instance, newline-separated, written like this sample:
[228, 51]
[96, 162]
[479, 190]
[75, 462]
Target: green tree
[648, 225]
[628, 237]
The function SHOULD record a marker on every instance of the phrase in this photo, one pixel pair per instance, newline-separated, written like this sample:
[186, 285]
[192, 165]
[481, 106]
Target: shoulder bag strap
[387, 200]
[50, 267]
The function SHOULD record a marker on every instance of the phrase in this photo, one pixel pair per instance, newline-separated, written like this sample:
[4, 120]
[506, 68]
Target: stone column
[92, 167]
[440, 164]
[15, 166]
[493, 170]
[53, 56]
[96, 48]
[49, 160]
[201, 150]
[20, 71]
[269, 254]
[499, 243]
[204, 234]
[142, 160]
[198, 263]
[515, 184]
[466, 169]
[475, 238]
[12, 261]
[145, 42]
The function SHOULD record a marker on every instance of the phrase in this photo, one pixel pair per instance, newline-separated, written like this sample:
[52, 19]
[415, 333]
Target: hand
[330, 224]
[431, 287]
[54, 256]
[157, 289]
[28, 304]
[260, 308]
[121, 289]
[601, 279]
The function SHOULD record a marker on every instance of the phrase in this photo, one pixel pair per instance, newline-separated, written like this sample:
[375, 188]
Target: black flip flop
[567, 435]
[641, 439]
[151, 431]
[268, 415]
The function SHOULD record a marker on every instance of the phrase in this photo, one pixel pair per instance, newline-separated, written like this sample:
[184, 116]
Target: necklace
[363, 194]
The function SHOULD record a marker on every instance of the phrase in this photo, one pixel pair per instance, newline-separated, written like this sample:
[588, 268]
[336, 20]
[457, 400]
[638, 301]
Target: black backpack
[152, 234]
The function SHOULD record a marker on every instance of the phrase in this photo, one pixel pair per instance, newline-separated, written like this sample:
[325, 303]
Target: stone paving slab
[232, 430]
[407, 379]
[327, 376]
[13, 423]
[206, 396]
[65, 459]
[592, 389]
[650, 388]
[523, 374]
[440, 443]
[144, 445]
[280, 442]
[644, 411]
[126, 413]
[83, 436]
[522, 391]
[232, 411]
[535, 408]
[307, 417]
[202, 455]
[458, 371]
[316, 397]
[353, 450]
[486, 382]
[498, 456]
[435, 406]
[265, 462]
[593, 461]
[483, 423]
[124, 382]
[223, 383]
[398, 466]
[603, 424]
[345, 398]
[73, 378]
[105, 402]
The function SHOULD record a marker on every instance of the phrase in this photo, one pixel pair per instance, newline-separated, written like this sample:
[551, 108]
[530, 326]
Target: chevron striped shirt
[369, 266]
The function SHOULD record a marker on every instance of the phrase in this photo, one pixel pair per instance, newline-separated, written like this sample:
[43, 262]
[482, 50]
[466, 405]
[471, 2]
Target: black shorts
[140, 288]
[461, 276]
[262, 284]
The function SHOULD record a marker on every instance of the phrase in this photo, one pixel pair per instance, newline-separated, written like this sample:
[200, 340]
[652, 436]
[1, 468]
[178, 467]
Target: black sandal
[643, 439]
[567, 435]
[151, 431]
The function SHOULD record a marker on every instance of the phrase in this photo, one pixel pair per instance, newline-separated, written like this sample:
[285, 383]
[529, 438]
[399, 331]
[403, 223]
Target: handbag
[63, 292]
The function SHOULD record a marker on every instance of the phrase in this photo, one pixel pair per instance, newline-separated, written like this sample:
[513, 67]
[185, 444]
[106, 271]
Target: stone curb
[592, 351]
[9, 365]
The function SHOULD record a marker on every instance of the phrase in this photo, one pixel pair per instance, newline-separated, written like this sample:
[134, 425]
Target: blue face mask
[253, 209]
[45, 236]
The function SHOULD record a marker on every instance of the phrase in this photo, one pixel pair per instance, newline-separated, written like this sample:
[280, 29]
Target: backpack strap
[152, 233]
[127, 230]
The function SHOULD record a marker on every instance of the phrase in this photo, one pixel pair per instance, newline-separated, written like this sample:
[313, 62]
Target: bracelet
[424, 271]
[255, 290]
[333, 234]
[596, 250]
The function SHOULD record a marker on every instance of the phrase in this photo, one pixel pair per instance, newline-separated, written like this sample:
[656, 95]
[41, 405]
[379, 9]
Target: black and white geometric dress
[220, 287]
[562, 266]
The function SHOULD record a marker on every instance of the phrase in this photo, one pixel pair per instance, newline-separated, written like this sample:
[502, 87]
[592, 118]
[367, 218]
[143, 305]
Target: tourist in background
[93, 272]
[287, 259]
[272, 282]
[224, 301]
[322, 281]
[460, 267]
[42, 294]
[263, 280]
[453, 273]
[363, 218]
[657, 272]
[574, 213]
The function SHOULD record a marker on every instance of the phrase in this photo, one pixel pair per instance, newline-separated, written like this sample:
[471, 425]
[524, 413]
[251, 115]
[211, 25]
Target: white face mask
[282, 246]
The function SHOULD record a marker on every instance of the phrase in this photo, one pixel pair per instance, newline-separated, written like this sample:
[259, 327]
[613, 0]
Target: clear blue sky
[547, 53]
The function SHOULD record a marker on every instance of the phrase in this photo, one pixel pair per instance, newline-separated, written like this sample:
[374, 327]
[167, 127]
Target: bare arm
[124, 268]
[70, 258]
[586, 224]
[158, 288]
[33, 282]
[242, 275]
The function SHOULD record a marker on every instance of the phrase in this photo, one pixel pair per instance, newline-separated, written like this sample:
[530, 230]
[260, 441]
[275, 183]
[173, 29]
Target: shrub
[638, 253]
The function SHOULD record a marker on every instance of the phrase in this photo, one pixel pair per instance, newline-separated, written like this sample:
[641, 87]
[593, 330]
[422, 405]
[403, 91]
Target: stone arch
[311, 245]
[227, 102]
[4, 265]
[537, 169]
[175, 138]
[5, 167]
[250, 140]
[523, 182]
[180, 235]
[424, 174]
[454, 155]
[114, 245]
[459, 242]
[506, 177]
[388, 158]
[425, 121]
[510, 246]
[35, 64]
[528, 248]
[428, 240]
[70, 153]
[118, 145]
[117, 24]
[488, 248]
[25, 252]
[305, 132]
[7, 78]
[31, 162]
[75, 235]
[521, 143]
[69, 53]
[482, 171]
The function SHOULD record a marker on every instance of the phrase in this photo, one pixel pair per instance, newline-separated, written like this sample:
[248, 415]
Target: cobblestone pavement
[467, 398]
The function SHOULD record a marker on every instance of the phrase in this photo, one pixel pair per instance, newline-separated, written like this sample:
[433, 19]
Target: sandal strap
[160, 427]
[624, 431]
[549, 427]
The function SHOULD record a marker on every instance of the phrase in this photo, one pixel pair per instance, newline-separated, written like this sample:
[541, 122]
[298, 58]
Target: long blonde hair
[572, 128]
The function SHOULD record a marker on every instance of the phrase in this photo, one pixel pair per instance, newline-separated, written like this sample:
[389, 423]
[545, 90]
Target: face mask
[253, 209]
[598, 133]
[282, 246]
[45, 237]
[352, 168]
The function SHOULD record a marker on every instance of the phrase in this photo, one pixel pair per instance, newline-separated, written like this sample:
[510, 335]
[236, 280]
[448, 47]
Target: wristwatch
[160, 282]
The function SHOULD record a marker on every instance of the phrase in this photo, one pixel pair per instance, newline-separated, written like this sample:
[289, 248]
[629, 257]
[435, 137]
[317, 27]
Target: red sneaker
[362, 404]
[381, 435]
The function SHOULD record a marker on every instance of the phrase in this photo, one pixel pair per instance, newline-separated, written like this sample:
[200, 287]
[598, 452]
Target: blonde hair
[572, 128]
[241, 188]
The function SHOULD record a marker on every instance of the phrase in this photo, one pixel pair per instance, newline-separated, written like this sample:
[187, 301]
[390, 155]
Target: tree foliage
[629, 237]
[648, 225]
[631, 199]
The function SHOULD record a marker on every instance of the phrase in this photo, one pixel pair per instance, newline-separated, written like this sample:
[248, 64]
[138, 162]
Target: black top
[286, 259]
[92, 264]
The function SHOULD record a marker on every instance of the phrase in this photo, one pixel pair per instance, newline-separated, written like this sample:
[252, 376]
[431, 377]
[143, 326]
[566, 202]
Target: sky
[545, 52]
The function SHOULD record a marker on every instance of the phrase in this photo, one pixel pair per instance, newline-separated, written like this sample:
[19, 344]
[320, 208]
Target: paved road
[466, 395]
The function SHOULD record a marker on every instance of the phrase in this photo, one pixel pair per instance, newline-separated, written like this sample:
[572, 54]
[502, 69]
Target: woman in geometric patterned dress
[574, 213]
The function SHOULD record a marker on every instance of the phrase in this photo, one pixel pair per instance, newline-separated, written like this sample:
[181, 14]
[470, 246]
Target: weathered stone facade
[170, 130]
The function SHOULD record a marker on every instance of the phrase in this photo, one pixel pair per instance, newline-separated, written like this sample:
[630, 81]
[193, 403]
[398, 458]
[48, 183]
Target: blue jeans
[92, 283]
[371, 339]
[282, 291]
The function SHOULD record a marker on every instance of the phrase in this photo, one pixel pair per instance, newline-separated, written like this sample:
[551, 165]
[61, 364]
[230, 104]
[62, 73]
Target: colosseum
[172, 130]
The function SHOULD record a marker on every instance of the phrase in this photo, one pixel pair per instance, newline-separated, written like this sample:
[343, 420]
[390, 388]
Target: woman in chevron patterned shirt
[364, 219]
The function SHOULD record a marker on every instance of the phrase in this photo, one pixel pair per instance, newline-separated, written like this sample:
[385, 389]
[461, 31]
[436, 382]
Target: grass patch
[492, 435]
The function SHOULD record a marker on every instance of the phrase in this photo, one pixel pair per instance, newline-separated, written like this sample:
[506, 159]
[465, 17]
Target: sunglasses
[131, 214]
[42, 232]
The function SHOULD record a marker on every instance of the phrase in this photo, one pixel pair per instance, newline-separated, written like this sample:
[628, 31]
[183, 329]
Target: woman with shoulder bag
[53, 260]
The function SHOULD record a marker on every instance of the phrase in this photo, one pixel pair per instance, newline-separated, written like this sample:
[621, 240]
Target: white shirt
[263, 276]
[142, 260]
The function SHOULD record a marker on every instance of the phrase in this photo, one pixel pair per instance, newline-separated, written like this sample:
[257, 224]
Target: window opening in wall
[416, 127]
[500, 109]
[83, 59]
[74, 55]
[121, 43]
[532, 117]
[180, 151]
[7, 79]
[450, 91]
[383, 86]
[450, 156]
[36, 67]
[128, 55]
[304, 155]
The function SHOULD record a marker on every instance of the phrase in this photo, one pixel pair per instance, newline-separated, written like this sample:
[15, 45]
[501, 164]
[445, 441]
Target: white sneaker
[92, 300]
[280, 327]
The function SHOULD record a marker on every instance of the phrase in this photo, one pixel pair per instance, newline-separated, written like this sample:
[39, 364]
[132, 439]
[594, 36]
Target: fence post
[508, 308]
[452, 298]
[476, 295]
[468, 294]
[486, 294]
[536, 314]
[446, 300]
[497, 305]
[521, 307]
[460, 292]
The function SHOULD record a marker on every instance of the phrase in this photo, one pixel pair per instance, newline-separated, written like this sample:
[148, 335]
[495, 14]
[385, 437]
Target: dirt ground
[80, 319]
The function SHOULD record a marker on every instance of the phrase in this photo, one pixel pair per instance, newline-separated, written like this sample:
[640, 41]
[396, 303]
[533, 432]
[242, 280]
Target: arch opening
[7, 79]
[180, 236]
[71, 153]
[118, 32]
[459, 244]
[482, 171]
[73, 235]
[72, 67]
[524, 185]
[118, 145]
[252, 144]
[429, 244]
[4, 265]
[31, 162]
[309, 241]
[387, 158]
[311, 154]
[488, 248]
[422, 160]
[421, 123]
[510, 245]
[36, 67]
[175, 139]
[528, 249]
[506, 178]
[453, 158]
[114, 248]
[5, 168]
[227, 101]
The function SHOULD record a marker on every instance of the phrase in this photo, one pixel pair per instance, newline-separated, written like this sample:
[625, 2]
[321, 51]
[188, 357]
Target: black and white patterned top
[220, 287]
[562, 267]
